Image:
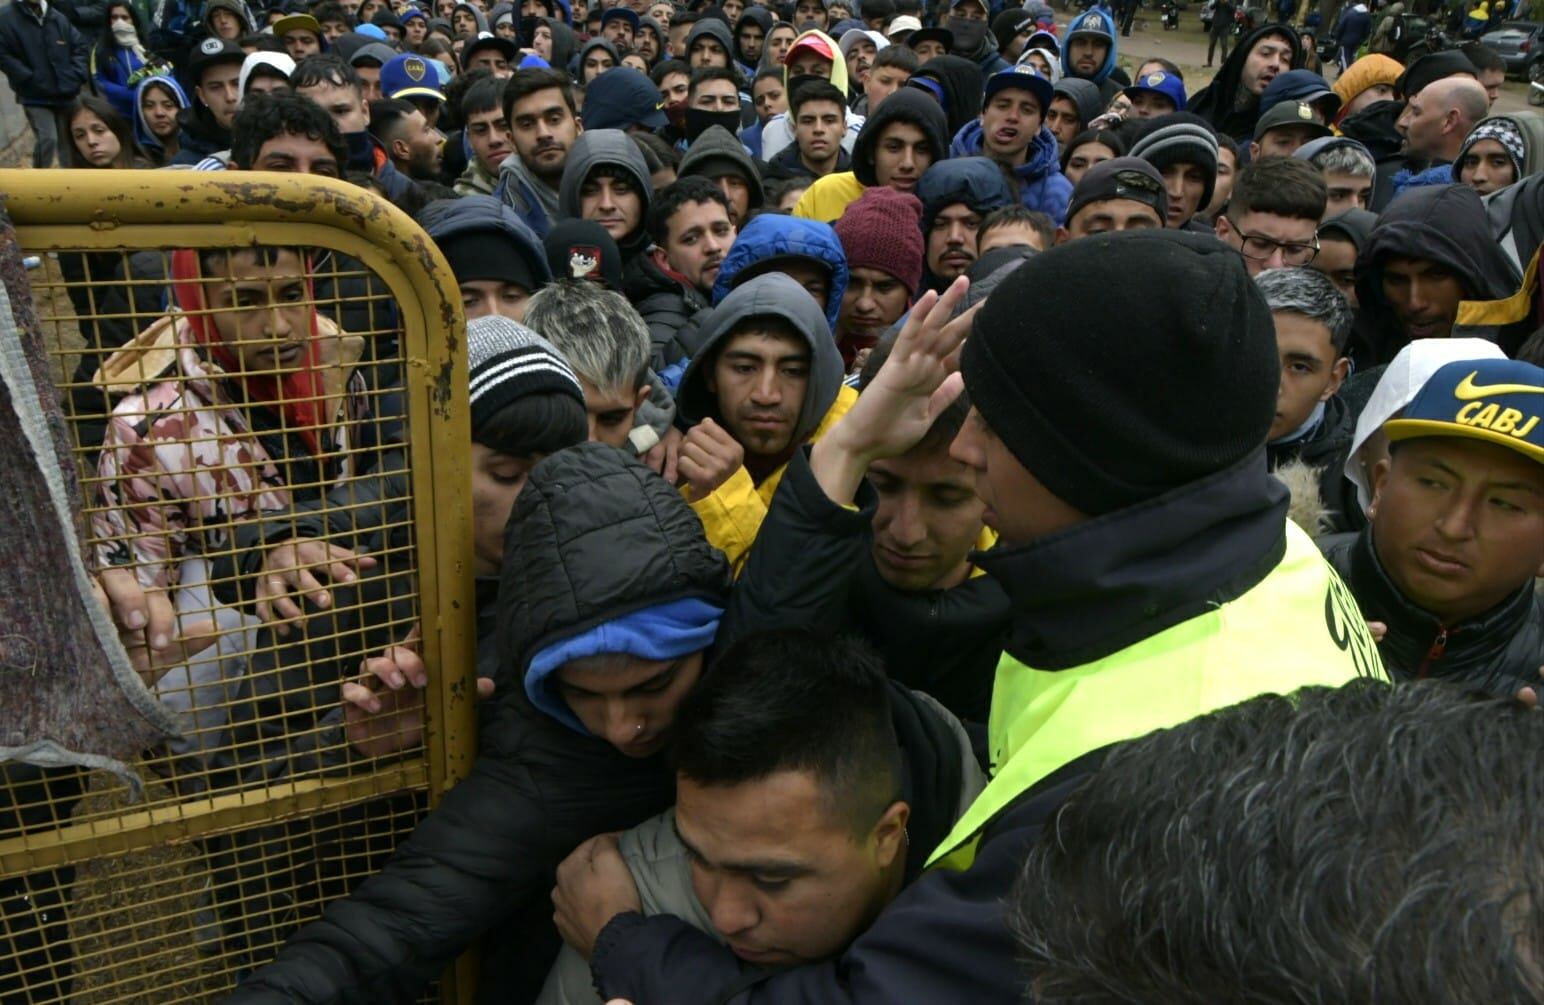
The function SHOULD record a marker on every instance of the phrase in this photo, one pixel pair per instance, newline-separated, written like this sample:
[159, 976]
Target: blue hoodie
[774, 236]
[1095, 21]
[1042, 186]
[142, 132]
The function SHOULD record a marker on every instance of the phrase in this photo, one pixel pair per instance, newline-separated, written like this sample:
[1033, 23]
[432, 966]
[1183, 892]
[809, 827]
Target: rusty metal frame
[131, 210]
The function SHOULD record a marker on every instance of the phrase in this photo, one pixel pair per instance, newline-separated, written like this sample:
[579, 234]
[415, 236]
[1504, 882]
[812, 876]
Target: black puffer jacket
[1497, 652]
[593, 536]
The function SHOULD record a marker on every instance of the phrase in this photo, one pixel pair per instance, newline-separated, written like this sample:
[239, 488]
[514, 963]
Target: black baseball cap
[1121, 178]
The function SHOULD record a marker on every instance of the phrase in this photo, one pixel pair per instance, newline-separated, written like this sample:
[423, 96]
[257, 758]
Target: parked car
[1516, 42]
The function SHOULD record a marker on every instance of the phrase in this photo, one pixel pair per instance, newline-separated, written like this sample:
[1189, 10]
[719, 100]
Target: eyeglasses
[1260, 248]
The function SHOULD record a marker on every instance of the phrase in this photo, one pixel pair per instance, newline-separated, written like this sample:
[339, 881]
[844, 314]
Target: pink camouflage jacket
[181, 462]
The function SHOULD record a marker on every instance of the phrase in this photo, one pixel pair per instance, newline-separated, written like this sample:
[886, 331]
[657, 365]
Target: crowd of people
[885, 420]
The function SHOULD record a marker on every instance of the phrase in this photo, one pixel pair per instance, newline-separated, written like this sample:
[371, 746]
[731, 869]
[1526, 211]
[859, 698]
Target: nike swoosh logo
[1468, 390]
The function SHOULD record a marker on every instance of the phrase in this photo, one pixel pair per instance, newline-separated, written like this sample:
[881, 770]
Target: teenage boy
[1313, 425]
[487, 133]
[1011, 131]
[215, 69]
[1158, 93]
[543, 124]
[1184, 149]
[766, 380]
[795, 750]
[881, 235]
[1257, 610]
[819, 114]
[1456, 538]
[1349, 172]
[1286, 127]
[898, 144]
[1125, 193]
[1272, 217]
[497, 260]
[333, 85]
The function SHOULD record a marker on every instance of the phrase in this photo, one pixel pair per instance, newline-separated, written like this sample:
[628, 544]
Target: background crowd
[912, 449]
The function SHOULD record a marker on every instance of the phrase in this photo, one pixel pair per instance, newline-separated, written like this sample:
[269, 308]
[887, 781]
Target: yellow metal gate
[247, 360]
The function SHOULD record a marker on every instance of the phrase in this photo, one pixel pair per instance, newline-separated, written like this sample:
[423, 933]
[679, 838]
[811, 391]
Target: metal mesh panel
[245, 395]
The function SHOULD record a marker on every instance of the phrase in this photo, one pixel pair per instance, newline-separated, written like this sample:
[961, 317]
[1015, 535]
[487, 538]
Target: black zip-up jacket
[1497, 652]
[1326, 450]
[43, 57]
[597, 535]
[812, 566]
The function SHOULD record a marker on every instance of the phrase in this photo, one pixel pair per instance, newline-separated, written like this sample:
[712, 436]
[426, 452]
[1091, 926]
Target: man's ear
[643, 395]
[399, 151]
[1380, 477]
[1221, 227]
[1062, 237]
[659, 257]
[1337, 378]
[889, 834]
[1254, 151]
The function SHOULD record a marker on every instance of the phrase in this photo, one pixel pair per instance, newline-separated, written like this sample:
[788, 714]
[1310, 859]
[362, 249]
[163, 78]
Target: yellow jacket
[731, 516]
[829, 197]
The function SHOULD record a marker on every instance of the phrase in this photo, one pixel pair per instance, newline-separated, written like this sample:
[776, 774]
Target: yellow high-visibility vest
[1297, 627]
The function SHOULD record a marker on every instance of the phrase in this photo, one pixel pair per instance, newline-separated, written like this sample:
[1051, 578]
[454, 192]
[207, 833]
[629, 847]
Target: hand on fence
[709, 456]
[383, 710]
[594, 886]
[293, 567]
[147, 624]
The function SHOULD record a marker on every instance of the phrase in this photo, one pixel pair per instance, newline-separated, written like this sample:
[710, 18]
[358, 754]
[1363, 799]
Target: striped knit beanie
[507, 361]
[1180, 138]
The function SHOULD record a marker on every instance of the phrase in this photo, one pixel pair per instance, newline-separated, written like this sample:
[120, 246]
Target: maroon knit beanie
[882, 229]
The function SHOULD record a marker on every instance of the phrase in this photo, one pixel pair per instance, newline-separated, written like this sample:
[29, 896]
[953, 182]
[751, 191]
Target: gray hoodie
[717, 144]
[772, 295]
[613, 148]
[482, 21]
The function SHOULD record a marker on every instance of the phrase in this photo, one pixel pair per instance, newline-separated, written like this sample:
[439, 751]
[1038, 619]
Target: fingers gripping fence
[265, 387]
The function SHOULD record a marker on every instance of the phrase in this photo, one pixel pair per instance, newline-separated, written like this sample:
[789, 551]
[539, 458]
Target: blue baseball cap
[409, 13]
[410, 76]
[1499, 401]
[1158, 82]
[1024, 77]
[620, 98]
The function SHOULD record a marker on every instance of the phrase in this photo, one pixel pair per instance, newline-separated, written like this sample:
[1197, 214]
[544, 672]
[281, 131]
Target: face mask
[968, 35]
[699, 119]
[675, 112]
[125, 35]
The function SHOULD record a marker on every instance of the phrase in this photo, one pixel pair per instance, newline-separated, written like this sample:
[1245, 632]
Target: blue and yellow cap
[1500, 401]
[410, 76]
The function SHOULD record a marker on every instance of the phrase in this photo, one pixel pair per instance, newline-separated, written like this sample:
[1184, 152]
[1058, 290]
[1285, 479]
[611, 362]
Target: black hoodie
[756, 15]
[594, 535]
[963, 84]
[1215, 101]
[1445, 224]
[909, 104]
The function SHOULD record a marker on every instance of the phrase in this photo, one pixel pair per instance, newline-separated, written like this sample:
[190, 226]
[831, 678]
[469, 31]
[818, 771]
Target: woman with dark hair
[100, 136]
[1087, 149]
[157, 103]
[120, 60]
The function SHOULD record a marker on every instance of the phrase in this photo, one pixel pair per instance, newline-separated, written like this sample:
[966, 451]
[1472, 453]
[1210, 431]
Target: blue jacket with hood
[142, 134]
[1042, 186]
[772, 236]
[1095, 21]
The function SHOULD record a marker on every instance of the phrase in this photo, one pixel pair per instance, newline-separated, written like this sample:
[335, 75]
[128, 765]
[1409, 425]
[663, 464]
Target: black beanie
[487, 254]
[1112, 391]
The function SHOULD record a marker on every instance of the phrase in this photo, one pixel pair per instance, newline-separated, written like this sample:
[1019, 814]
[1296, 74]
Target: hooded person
[1086, 99]
[1439, 234]
[236, 8]
[458, 19]
[973, 37]
[120, 59]
[1042, 186]
[144, 135]
[974, 182]
[956, 84]
[721, 158]
[807, 250]
[597, 42]
[606, 573]
[1098, 26]
[718, 31]
[1230, 102]
[494, 256]
[616, 154]
[830, 196]
[1052, 70]
[813, 45]
[762, 18]
[1518, 139]
[768, 313]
